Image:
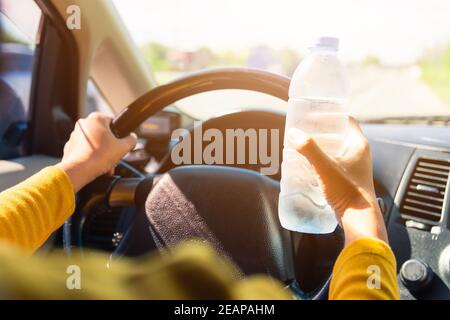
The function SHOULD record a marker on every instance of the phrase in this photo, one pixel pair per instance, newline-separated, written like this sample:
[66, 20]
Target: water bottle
[317, 106]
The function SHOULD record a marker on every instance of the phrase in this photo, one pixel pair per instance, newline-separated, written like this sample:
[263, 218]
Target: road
[393, 92]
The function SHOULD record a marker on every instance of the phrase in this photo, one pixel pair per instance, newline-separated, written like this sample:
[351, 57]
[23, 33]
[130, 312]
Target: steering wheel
[234, 209]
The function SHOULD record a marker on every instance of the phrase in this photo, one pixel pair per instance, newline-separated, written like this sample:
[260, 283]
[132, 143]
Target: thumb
[130, 141]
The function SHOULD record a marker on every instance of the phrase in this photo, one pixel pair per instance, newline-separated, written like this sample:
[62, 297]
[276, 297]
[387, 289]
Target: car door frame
[45, 138]
[55, 84]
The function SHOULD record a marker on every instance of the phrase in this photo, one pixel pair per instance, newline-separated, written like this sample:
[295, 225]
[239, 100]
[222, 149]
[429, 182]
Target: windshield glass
[397, 52]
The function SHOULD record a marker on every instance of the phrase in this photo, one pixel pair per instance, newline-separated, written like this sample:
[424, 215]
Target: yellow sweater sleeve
[33, 209]
[365, 269]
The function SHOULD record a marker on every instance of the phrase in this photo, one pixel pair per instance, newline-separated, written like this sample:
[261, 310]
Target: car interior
[152, 203]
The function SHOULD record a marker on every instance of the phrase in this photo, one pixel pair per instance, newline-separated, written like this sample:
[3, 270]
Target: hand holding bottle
[347, 183]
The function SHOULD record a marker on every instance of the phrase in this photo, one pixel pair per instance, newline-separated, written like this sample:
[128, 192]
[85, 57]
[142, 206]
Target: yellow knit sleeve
[365, 269]
[33, 209]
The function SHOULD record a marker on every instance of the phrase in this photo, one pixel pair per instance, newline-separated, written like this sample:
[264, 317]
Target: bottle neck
[323, 50]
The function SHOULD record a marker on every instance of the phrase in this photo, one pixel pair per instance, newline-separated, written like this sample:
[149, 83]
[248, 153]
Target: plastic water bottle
[317, 106]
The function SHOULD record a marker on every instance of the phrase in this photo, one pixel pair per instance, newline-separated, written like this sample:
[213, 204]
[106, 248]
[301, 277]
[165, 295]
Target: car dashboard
[411, 165]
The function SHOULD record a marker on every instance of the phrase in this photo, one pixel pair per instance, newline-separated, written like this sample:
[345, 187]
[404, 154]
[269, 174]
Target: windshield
[397, 52]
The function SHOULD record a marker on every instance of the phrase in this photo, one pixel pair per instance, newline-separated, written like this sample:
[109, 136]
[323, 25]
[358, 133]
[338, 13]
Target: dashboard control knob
[416, 275]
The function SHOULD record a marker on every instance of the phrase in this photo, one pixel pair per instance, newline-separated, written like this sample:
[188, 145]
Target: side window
[96, 101]
[19, 24]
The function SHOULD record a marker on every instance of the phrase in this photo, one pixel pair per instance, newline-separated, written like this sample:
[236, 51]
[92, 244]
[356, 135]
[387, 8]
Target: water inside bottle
[324, 120]
[303, 203]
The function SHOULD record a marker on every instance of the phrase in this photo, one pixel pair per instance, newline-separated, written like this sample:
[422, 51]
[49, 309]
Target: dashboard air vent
[423, 201]
[101, 228]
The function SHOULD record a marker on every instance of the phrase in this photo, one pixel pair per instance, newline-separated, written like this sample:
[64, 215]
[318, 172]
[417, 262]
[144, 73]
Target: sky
[396, 31]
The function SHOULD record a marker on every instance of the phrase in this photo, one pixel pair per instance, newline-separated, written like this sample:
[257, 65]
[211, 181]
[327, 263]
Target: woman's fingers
[355, 143]
[354, 125]
[328, 170]
[130, 140]
[356, 135]
[338, 189]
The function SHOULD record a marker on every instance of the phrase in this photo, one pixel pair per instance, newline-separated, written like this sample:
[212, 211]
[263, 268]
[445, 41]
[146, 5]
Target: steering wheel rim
[219, 79]
[208, 80]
